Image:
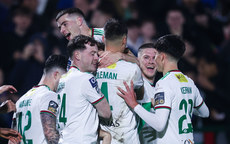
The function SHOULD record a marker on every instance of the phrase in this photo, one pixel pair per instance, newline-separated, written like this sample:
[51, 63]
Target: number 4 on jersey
[104, 90]
[62, 117]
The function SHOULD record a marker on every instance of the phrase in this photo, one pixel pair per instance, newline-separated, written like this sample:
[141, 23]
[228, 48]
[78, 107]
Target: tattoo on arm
[49, 128]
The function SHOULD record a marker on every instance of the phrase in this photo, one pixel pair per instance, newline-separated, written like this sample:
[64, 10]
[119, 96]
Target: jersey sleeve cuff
[47, 112]
[162, 107]
[197, 107]
[97, 101]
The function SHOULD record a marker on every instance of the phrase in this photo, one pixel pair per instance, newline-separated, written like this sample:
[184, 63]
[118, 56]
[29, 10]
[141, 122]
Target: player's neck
[169, 67]
[113, 47]
[47, 81]
[87, 31]
[150, 80]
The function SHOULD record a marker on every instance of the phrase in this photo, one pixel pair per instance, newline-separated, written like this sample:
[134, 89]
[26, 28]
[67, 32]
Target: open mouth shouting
[67, 36]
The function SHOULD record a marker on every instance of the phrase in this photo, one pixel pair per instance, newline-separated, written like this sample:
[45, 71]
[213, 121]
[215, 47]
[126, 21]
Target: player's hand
[129, 95]
[11, 135]
[107, 58]
[106, 136]
[7, 106]
[9, 88]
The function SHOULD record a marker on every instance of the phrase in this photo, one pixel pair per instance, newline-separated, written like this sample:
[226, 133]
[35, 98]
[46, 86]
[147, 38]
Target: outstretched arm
[49, 128]
[156, 120]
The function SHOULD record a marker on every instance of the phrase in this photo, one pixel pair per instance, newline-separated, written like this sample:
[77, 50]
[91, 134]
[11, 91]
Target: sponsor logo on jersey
[181, 77]
[93, 82]
[186, 90]
[112, 66]
[53, 106]
[159, 98]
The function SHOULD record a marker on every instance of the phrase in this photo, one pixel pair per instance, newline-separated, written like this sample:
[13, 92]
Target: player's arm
[156, 120]
[200, 108]
[93, 95]
[9, 88]
[7, 106]
[48, 110]
[108, 58]
[104, 111]
[49, 127]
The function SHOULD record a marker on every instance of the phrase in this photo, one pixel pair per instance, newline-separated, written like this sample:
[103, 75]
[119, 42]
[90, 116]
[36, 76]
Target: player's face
[89, 58]
[147, 63]
[69, 26]
[159, 61]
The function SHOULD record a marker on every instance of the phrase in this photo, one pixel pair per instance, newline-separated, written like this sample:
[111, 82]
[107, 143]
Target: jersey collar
[42, 85]
[73, 66]
[176, 70]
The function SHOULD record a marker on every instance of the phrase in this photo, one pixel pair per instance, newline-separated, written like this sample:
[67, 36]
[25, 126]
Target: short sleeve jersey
[39, 99]
[178, 93]
[124, 126]
[78, 119]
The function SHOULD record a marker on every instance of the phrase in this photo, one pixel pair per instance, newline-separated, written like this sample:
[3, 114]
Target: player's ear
[79, 21]
[56, 73]
[77, 55]
[124, 41]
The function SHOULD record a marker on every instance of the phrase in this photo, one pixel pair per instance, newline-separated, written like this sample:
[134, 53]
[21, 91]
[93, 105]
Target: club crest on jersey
[159, 98]
[53, 106]
[93, 82]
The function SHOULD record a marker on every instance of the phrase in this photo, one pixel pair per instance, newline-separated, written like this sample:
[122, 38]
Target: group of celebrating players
[107, 95]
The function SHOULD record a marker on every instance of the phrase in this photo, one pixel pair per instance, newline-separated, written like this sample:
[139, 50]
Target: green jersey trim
[169, 73]
[42, 85]
[146, 106]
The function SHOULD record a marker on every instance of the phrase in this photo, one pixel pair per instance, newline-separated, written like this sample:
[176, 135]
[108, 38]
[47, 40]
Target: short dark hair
[78, 43]
[146, 45]
[58, 61]
[76, 11]
[115, 29]
[172, 45]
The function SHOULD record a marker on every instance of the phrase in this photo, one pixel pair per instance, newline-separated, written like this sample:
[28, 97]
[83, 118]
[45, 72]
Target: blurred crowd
[29, 34]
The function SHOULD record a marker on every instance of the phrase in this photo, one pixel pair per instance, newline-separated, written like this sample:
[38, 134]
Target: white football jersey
[98, 34]
[78, 119]
[145, 131]
[39, 99]
[178, 93]
[124, 126]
